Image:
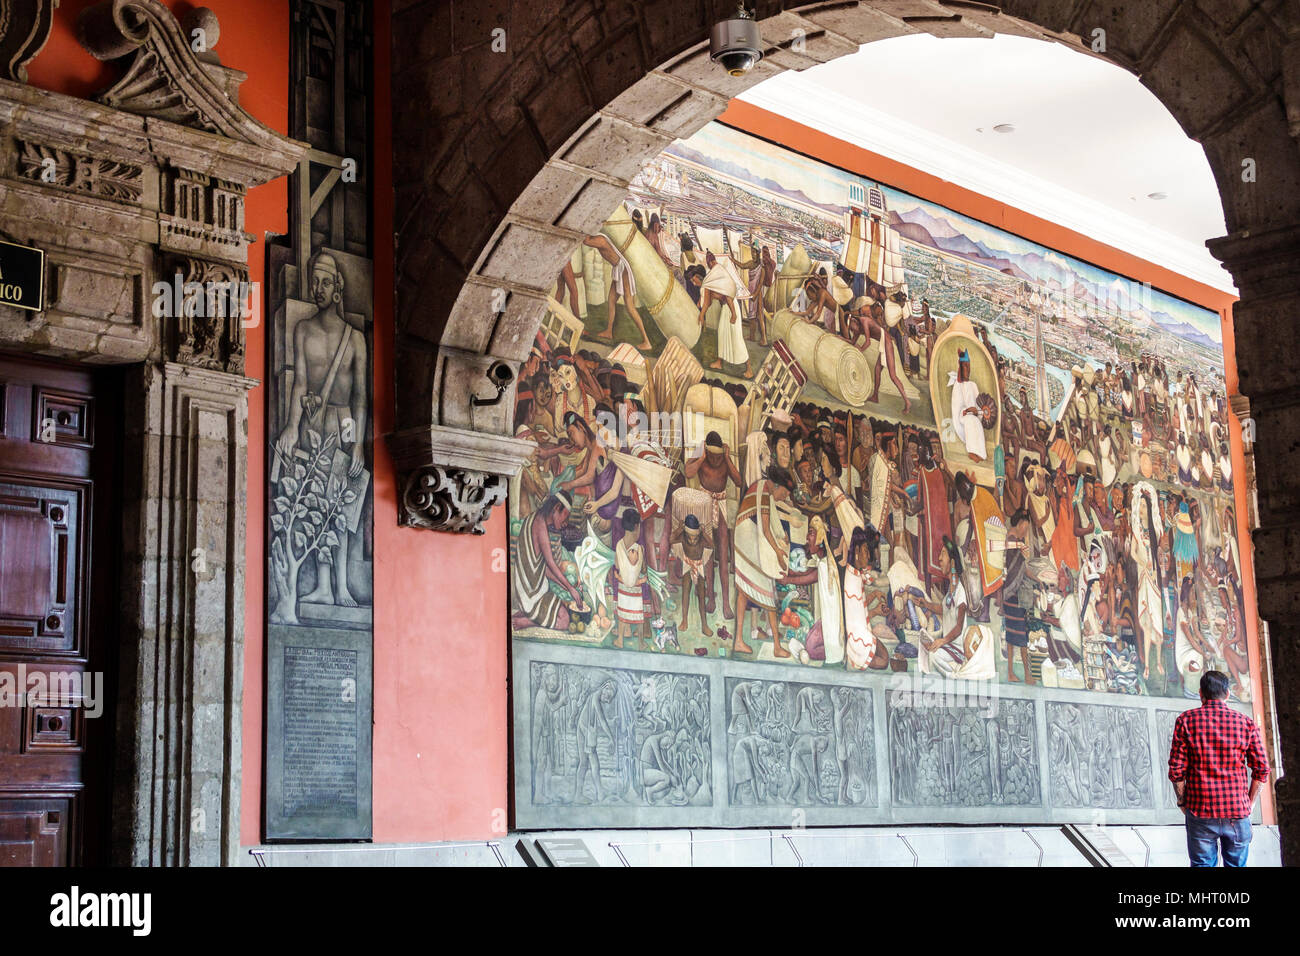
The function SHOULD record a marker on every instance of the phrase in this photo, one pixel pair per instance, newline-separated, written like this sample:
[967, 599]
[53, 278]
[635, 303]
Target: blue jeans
[1205, 835]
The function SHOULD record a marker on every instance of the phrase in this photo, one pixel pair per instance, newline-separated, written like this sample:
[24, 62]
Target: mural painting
[320, 448]
[787, 414]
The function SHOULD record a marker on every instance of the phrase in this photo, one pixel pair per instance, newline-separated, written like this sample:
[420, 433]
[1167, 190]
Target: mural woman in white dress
[964, 650]
[862, 649]
[1144, 533]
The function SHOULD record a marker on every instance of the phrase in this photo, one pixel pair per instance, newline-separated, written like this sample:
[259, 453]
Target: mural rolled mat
[788, 416]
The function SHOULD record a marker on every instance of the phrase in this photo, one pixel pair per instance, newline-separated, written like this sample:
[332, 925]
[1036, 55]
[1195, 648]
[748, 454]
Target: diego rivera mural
[785, 414]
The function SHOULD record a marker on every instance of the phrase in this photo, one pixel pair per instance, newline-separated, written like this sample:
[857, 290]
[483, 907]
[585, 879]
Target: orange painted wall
[440, 742]
[254, 38]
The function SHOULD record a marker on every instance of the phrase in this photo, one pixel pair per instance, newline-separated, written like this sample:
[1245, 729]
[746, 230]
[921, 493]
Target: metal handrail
[1025, 831]
[1145, 844]
[259, 853]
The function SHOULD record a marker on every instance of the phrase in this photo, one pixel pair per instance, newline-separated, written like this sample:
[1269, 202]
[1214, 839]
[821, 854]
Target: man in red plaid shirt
[1213, 747]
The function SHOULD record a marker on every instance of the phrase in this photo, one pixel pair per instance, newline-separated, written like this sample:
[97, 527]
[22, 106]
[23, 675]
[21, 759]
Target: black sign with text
[22, 277]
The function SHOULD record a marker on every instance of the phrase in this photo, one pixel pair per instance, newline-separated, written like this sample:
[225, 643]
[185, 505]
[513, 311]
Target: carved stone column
[178, 766]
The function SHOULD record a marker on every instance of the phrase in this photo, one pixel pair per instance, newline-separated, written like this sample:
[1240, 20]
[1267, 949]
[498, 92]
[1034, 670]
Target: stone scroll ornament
[450, 499]
[24, 28]
[174, 75]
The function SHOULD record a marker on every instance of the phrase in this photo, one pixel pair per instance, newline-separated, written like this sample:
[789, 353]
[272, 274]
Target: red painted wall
[440, 747]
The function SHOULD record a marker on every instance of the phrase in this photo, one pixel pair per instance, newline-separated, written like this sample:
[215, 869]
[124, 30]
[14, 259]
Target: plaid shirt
[1213, 745]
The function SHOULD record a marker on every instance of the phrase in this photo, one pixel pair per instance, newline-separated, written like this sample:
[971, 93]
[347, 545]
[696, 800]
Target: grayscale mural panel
[320, 455]
[1165, 738]
[609, 736]
[793, 744]
[947, 756]
[1100, 756]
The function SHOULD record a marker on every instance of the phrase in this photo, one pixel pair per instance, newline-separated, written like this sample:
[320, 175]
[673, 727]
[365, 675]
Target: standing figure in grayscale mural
[591, 721]
[549, 695]
[329, 399]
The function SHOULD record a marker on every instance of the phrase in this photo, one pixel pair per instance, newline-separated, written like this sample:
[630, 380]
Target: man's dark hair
[631, 520]
[1214, 685]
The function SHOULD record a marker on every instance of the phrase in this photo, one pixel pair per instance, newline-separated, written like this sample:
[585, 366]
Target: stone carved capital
[452, 477]
[450, 499]
[24, 28]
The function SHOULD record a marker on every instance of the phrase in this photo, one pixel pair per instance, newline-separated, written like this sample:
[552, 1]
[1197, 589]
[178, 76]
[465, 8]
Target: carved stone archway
[527, 150]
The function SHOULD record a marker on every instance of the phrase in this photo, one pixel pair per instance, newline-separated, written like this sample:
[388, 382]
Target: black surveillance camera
[501, 376]
[736, 43]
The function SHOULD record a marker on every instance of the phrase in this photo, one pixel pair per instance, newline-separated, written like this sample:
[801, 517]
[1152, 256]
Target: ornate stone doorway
[137, 200]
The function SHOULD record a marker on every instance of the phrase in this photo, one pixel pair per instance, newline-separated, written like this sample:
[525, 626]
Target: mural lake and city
[794, 423]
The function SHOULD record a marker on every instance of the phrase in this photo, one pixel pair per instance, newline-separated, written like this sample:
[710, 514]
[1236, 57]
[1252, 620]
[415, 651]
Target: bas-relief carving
[96, 175]
[612, 736]
[321, 468]
[794, 744]
[1099, 756]
[948, 756]
[1164, 740]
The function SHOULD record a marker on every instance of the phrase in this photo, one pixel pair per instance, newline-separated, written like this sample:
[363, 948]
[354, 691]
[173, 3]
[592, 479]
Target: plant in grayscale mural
[306, 519]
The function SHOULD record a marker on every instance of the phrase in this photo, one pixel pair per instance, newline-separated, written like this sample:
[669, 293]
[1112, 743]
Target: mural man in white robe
[721, 284]
[965, 413]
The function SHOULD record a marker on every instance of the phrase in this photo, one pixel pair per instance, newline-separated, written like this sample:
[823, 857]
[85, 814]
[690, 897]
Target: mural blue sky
[793, 178]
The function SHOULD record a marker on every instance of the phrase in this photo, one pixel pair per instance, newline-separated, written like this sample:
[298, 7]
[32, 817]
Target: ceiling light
[1157, 195]
[1004, 128]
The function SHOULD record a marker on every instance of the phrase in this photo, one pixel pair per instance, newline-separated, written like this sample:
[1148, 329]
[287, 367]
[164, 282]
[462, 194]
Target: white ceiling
[1090, 142]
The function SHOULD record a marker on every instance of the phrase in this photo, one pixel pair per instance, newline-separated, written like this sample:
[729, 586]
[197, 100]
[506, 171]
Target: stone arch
[503, 161]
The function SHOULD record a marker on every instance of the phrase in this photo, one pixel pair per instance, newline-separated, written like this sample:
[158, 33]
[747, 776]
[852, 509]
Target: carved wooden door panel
[58, 548]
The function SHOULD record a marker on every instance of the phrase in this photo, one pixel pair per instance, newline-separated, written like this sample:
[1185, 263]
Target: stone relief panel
[320, 456]
[1164, 739]
[1099, 756]
[952, 756]
[616, 737]
[795, 744]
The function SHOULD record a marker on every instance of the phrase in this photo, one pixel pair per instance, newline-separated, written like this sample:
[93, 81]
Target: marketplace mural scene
[787, 414]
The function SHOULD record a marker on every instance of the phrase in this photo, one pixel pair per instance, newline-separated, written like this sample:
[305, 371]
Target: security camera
[736, 43]
[500, 375]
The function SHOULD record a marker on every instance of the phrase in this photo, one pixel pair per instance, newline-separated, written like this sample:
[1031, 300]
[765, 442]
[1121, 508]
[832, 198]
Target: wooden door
[58, 550]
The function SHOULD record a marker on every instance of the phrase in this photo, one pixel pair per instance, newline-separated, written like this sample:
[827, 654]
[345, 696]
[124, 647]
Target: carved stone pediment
[165, 78]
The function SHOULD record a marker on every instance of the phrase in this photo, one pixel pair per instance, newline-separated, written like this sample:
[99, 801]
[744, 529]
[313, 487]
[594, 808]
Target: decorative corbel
[451, 478]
